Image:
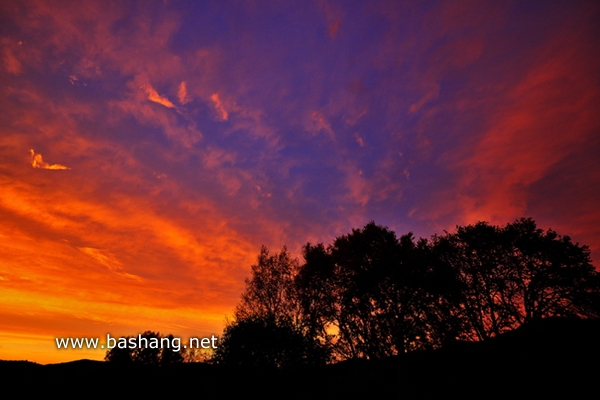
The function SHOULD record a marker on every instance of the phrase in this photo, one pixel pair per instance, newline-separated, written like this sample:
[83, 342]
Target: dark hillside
[554, 356]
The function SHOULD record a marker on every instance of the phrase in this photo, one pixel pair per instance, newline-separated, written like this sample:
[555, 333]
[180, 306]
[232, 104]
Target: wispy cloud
[38, 162]
[219, 106]
[109, 261]
[359, 139]
[157, 98]
[11, 62]
[334, 19]
[182, 93]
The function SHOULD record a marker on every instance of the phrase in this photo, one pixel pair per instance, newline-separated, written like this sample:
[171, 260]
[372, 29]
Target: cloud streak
[219, 107]
[182, 93]
[38, 162]
[156, 98]
[109, 261]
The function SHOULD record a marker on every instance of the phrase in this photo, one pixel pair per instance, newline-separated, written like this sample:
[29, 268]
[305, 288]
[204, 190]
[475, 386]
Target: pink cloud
[219, 106]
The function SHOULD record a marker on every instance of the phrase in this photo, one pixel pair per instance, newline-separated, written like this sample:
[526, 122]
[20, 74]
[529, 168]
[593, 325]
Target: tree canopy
[267, 331]
[371, 294]
[513, 274]
[148, 348]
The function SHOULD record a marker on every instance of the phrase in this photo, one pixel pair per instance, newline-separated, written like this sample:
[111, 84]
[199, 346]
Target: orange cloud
[156, 98]
[109, 261]
[182, 280]
[136, 105]
[38, 162]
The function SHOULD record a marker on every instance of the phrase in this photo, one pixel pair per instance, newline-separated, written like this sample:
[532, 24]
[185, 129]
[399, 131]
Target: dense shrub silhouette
[263, 342]
[153, 354]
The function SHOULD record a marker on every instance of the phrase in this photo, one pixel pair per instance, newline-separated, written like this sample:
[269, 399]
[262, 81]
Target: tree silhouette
[119, 355]
[389, 296]
[270, 293]
[374, 304]
[372, 295]
[148, 355]
[317, 293]
[552, 276]
[152, 354]
[171, 356]
[478, 255]
[513, 274]
[263, 342]
[268, 329]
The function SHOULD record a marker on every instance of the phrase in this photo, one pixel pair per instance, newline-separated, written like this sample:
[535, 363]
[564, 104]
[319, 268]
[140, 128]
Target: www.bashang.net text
[136, 342]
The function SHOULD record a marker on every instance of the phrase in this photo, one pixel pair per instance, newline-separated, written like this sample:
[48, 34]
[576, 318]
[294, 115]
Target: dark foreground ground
[552, 358]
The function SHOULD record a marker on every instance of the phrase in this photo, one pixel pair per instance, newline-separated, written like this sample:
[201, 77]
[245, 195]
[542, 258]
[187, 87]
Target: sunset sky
[148, 149]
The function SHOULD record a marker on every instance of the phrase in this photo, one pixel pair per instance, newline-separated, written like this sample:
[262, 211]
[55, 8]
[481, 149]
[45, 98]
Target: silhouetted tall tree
[270, 292]
[267, 330]
[374, 302]
[478, 254]
[317, 293]
[552, 276]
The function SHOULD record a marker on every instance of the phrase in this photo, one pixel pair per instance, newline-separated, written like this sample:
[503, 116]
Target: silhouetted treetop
[371, 294]
[516, 273]
[270, 291]
[268, 330]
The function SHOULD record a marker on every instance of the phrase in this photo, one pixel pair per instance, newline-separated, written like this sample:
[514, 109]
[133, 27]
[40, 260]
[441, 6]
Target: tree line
[372, 295]
[153, 349]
